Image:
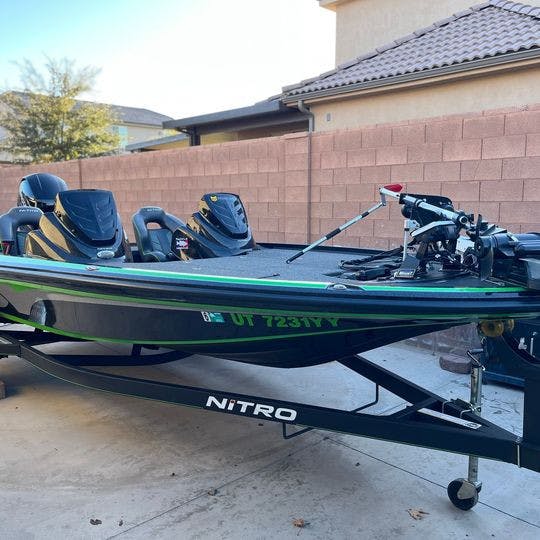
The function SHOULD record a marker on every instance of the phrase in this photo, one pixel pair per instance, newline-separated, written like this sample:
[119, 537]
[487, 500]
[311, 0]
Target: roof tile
[490, 29]
[443, 22]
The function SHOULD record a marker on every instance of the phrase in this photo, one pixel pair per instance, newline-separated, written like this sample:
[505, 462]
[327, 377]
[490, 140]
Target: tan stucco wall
[489, 92]
[138, 133]
[272, 131]
[168, 146]
[363, 25]
[216, 138]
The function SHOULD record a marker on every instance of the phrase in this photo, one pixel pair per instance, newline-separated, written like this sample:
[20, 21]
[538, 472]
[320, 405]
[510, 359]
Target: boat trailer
[427, 421]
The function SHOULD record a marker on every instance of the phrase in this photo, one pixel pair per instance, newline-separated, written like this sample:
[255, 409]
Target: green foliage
[45, 122]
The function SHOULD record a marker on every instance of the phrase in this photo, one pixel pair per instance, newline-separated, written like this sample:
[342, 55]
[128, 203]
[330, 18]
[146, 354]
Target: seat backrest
[15, 225]
[155, 244]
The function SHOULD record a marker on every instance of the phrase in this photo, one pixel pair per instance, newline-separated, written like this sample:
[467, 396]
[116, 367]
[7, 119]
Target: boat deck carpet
[263, 263]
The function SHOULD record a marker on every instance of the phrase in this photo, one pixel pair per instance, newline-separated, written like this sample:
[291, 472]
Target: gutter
[311, 126]
[530, 54]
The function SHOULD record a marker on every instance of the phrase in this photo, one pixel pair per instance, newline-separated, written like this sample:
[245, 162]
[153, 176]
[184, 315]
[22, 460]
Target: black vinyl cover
[84, 227]
[225, 212]
[89, 214]
[219, 229]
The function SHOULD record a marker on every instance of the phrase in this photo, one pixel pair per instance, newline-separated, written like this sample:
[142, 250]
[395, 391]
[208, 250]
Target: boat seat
[15, 225]
[155, 244]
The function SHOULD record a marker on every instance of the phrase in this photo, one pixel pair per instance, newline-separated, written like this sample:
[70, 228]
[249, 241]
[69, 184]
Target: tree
[45, 122]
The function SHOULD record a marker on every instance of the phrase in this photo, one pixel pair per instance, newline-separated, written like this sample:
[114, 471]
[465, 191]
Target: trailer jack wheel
[463, 494]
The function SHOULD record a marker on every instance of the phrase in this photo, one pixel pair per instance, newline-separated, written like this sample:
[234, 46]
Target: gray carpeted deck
[263, 263]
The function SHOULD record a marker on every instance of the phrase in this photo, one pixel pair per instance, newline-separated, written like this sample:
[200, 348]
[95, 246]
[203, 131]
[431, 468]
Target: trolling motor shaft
[387, 189]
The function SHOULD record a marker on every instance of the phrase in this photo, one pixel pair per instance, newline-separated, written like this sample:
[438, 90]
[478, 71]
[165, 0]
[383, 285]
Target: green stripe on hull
[195, 342]
[180, 276]
[21, 286]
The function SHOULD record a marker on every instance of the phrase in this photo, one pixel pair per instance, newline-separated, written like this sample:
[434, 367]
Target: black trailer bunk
[428, 421]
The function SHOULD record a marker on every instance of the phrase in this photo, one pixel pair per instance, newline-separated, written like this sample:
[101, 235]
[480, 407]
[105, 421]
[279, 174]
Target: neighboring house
[132, 125]
[400, 60]
[179, 140]
[268, 118]
[364, 25]
[135, 125]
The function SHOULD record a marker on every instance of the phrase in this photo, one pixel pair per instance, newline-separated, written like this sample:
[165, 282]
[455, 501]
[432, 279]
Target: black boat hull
[276, 323]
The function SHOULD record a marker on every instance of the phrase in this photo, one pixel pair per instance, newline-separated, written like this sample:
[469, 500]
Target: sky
[177, 57]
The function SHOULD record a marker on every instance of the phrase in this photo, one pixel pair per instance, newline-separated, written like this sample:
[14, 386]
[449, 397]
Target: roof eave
[497, 61]
[253, 111]
[155, 142]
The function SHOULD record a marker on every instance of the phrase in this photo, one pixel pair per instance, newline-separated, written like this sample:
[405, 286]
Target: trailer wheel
[463, 494]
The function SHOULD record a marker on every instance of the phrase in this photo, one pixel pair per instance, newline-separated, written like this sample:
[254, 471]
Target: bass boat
[205, 286]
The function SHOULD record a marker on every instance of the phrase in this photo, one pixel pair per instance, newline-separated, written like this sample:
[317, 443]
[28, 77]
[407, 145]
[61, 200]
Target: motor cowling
[219, 229]
[39, 190]
[84, 227]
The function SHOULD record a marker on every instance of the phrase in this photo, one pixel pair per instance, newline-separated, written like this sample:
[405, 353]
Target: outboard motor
[84, 227]
[39, 190]
[219, 229]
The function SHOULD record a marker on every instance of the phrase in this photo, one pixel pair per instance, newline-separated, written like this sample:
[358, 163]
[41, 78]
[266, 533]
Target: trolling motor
[433, 239]
[434, 228]
[495, 252]
[443, 209]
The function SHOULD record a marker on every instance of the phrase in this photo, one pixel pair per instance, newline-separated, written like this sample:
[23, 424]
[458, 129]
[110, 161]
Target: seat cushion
[161, 240]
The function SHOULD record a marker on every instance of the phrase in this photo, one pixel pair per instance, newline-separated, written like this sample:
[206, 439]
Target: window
[122, 132]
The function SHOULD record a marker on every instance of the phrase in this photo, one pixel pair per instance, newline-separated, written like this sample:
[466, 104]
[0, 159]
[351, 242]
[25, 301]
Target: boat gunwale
[122, 275]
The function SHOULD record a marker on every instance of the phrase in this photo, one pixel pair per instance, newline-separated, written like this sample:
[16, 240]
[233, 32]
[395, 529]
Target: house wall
[363, 25]
[226, 136]
[139, 133]
[486, 92]
[486, 162]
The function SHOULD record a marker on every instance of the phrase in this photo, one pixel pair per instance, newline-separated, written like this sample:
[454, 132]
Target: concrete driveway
[143, 469]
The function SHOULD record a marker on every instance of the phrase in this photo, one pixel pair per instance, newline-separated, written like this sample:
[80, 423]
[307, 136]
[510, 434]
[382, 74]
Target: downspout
[194, 137]
[311, 124]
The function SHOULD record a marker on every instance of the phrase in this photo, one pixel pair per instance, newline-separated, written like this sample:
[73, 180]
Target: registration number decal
[277, 321]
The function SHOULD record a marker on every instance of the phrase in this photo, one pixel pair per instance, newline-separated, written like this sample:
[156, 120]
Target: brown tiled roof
[488, 30]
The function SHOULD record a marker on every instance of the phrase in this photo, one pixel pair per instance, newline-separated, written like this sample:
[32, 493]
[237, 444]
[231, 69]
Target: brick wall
[486, 162]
